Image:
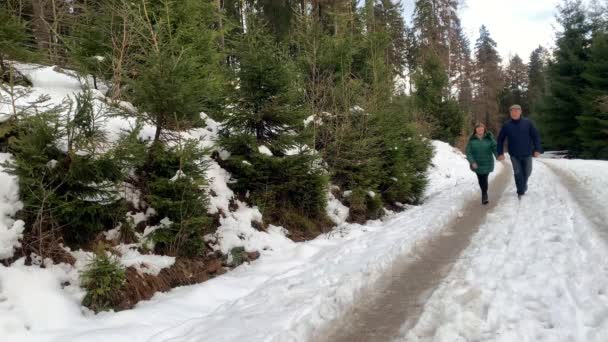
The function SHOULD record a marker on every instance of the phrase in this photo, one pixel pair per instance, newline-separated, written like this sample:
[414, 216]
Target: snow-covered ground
[590, 175]
[285, 295]
[513, 283]
[536, 271]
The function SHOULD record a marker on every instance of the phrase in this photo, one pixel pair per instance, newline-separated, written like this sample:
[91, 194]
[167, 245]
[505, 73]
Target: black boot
[484, 198]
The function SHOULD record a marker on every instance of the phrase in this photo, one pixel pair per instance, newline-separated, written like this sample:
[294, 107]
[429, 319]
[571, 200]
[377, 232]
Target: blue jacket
[522, 138]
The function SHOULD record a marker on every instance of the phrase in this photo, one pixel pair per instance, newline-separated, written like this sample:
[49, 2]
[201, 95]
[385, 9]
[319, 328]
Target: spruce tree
[67, 178]
[488, 81]
[177, 73]
[89, 42]
[593, 129]
[269, 158]
[13, 36]
[516, 86]
[563, 103]
[537, 78]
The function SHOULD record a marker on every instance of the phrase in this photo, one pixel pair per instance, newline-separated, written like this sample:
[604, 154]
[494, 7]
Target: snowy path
[401, 293]
[591, 201]
[535, 270]
[538, 275]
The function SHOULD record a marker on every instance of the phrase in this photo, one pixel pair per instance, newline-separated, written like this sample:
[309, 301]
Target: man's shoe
[484, 199]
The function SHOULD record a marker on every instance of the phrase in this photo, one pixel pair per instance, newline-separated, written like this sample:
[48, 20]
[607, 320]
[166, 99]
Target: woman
[481, 150]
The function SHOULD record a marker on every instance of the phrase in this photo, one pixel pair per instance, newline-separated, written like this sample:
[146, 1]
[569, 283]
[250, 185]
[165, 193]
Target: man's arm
[500, 142]
[538, 149]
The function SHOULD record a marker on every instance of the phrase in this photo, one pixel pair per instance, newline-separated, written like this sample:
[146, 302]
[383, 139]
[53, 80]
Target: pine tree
[89, 42]
[177, 75]
[488, 81]
[66, 181]
[389, 18]
[593, 129]
[566, 83]
[263, 132]
[277, 14]
[13, 36]
[537, 78]
[516, 86]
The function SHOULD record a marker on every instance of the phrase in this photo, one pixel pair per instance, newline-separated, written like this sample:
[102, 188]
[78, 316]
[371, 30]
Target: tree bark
[42, 32]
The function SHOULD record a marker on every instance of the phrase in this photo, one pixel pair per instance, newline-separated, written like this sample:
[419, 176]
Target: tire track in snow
[536, 271]
[596, 209]
[400, 295]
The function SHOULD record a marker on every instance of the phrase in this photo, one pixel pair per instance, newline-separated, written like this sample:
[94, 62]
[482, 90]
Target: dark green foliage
[102, 280]
[563, 104]
[268, 113]
[444, 114]
[537, 78]
[72, 190]
[364, 206]
[176, 71]
[268, 102]
[238, 256]
[176, 190]
[593, 129]
[516, 86]
[90, 42]
[278, 15]
[406, 156]
[13, 36]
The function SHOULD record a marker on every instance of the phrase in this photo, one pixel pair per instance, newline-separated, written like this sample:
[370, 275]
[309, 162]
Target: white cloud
[517, 26]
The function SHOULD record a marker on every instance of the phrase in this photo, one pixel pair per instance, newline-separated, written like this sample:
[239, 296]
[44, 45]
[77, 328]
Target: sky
[517, 26]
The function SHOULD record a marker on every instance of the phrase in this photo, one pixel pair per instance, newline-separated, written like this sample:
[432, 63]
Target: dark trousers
[483, 183]
[522, 168]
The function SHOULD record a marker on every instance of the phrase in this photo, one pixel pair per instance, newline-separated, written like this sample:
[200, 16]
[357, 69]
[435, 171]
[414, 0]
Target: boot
[484, 198]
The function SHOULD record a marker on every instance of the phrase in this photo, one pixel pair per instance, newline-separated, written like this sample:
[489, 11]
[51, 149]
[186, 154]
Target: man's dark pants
[522, 168]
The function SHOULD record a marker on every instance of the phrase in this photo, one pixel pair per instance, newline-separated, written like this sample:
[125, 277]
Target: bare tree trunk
[42, 32]
[220, 7]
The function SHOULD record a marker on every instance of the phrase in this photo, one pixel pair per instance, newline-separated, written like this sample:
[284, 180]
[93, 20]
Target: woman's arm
[469, 153]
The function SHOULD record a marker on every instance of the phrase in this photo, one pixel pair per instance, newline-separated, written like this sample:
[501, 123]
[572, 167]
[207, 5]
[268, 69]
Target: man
[524, 142]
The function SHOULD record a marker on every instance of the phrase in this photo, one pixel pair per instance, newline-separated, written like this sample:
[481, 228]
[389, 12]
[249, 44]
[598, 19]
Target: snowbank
[10, 230]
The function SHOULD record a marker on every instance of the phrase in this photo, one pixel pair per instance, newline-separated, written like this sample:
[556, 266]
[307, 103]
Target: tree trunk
[42, 32]
[220, 23]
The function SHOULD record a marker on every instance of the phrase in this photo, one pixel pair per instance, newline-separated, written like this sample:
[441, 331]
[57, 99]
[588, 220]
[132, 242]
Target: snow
[510, 284]
[10, 230]
[178, 175]
[144, 263]
[336, 211]
[591, 175]
[220, 193]
[457, 174]
[264, 150]
[236, 230]
[285, 295]
[534, 272]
